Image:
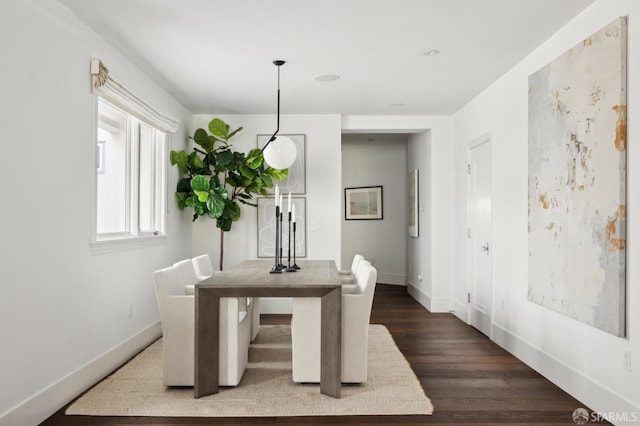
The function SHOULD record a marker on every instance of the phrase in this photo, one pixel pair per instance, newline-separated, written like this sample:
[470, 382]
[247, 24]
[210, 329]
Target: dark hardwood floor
[470, 379]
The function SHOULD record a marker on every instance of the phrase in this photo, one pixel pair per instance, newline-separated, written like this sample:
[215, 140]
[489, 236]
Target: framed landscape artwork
[363, 203]
[577, 181]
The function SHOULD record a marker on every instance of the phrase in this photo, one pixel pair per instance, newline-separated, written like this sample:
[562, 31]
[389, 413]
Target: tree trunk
[221, 248]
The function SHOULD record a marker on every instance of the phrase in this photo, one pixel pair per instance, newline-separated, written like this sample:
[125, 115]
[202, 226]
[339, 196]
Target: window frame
[132, 237]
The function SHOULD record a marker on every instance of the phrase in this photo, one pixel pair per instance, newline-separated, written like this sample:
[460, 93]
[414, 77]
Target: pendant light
[279, 152]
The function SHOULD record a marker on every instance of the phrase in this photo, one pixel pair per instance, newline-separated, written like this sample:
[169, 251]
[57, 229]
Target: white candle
[289, 204]
[280, 203]
[293, 214]
[277, 190]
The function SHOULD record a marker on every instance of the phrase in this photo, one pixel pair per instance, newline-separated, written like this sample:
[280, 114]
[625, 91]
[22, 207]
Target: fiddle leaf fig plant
[217, 178]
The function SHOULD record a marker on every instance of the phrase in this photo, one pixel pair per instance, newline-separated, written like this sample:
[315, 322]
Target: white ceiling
[215, 56]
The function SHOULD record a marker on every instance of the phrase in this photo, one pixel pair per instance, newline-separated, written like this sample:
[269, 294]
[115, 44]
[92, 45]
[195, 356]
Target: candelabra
[277, 267]
[291, 268]
[282, 265]
[295, 265]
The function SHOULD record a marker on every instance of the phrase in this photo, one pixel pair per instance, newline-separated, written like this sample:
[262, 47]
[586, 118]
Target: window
[130, 176]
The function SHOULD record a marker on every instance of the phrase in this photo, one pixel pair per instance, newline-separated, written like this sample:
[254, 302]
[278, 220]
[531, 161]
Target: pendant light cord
[277, 63]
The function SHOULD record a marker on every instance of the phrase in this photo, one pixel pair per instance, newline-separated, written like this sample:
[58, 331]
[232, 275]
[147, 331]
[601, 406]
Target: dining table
[252, 278]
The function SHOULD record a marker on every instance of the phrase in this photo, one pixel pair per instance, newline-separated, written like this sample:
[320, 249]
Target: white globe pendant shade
[281, 153]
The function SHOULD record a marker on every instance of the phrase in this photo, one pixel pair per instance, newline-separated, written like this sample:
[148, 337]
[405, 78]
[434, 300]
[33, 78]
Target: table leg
[207, 340]
[331, 342]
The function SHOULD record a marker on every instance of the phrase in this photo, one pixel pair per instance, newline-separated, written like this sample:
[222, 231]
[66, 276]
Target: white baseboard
[461, 310]
[395, 279]
[432, 304]
[594, 395]
[42, 405]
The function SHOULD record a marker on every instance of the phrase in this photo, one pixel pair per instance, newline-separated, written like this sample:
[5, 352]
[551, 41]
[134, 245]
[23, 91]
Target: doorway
[480, 233]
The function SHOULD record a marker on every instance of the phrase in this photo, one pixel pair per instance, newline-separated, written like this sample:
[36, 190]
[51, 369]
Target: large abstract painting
[577, 181]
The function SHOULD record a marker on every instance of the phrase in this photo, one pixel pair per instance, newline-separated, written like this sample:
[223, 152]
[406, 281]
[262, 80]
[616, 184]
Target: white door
[481, 292]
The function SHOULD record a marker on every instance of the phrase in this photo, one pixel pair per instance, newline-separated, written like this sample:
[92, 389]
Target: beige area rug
[266, 389]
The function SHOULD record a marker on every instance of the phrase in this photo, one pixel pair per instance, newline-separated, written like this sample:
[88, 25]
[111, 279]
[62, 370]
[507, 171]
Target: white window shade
[110, 89]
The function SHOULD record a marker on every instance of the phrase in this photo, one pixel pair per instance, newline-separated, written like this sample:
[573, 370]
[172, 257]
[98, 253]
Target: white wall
[381, 161]
[64, 312]
[323, 192]
[582, 360]
[420, 260]
[430, 147]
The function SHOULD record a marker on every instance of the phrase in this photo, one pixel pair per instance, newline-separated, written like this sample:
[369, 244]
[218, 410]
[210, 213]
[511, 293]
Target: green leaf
[221, 190]
[219, 129]
[254, 159]
[196, 166]
[247, 172]
[234, 180]
[235, 208]
[179, 158]
[201, 187]
[233, 133]
[225, 158]
[197, 162]
[224, 224]
[214, 181]
[267, 181]
[239, 159]
[181, 204]
[277, 174]
[210, 158]
[184, 185]
[216, 202]
[202, 138]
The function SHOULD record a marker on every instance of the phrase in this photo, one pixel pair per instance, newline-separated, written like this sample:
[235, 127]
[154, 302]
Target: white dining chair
[187, 275]
[203, 266]
[349, 276]
[356, 313]
[204, 269]
[177, 315]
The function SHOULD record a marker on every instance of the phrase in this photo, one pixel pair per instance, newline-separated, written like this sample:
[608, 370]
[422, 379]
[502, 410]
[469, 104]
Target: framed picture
[267, 228]
[363, 203]
[296, 182]
[413, 201]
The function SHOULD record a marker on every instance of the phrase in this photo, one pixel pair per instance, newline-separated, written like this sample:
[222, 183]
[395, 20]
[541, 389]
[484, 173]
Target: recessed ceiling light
[327, 77]
[397, 105]
[432, 52]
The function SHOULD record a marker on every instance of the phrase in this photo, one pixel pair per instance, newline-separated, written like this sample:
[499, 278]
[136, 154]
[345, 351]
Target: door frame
[474, 143]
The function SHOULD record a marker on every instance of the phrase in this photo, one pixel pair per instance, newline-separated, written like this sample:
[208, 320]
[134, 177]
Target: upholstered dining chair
[349, 276]
[204, 269]
[187, 275]
[356, 312]
[177, 315]
[203, 266]
[350, 285]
